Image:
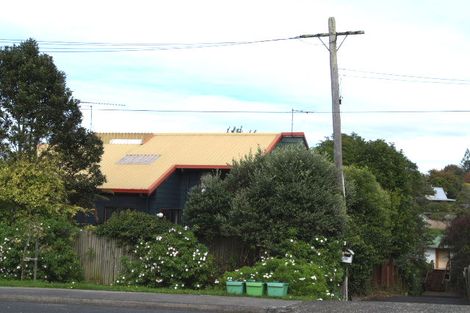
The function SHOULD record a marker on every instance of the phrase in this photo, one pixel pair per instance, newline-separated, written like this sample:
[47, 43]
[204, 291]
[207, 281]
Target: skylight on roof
[138, 159]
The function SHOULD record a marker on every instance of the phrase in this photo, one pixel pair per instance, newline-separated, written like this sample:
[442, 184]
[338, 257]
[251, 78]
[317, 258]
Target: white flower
[160, 215]
[302, 278]
[217, 281]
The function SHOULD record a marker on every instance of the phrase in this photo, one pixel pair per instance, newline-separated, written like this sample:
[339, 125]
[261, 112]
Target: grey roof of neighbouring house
[439, 195]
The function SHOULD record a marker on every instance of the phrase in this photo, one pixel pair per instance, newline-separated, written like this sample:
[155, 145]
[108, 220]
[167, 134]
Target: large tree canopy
[39, 118]
[405, 184]
[268, 198]
[393, 170]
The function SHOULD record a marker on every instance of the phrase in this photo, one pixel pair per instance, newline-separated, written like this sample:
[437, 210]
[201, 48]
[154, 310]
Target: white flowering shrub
[56, 259]
[173, 259]
[310, 270]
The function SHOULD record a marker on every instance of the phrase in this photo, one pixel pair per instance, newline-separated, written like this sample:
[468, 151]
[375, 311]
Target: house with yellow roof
[154, 172]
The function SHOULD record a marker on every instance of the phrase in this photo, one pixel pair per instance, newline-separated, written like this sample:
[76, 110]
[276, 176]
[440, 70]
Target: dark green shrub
[289, 193]
[130, 227]
[208, 207]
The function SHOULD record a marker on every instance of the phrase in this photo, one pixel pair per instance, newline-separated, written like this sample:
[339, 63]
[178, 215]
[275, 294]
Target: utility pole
[335, 99]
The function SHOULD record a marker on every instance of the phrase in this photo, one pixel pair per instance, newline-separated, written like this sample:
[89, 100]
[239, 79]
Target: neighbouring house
[437, 253]
[154, 172]
[439, 195]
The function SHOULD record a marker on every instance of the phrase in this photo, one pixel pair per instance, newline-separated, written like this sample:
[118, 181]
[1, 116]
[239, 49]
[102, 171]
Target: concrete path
[147, 300]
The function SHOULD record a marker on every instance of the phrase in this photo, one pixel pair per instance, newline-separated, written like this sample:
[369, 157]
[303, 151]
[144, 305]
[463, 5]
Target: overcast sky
[415, 38]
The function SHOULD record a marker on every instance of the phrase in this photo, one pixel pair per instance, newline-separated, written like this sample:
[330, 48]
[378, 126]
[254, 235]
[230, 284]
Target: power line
[91, 47]
[292, 111]
[405, 77]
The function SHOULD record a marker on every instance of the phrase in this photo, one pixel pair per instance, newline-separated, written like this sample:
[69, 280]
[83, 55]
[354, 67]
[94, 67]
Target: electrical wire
[269, 111]
[92, 47]
[405, 77]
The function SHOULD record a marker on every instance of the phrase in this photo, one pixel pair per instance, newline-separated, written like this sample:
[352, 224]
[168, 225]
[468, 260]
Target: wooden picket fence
[100, 258]
[230, 253]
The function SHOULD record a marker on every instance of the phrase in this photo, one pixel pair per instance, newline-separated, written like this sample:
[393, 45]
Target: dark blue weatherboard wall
[171, 194]
[291, 140]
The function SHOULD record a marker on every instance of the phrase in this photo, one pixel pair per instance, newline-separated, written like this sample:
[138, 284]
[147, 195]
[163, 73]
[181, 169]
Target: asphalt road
[429, 299]
[34, 307]
[382, 307]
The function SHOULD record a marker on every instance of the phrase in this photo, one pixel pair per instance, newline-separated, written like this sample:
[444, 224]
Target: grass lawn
[92, 286]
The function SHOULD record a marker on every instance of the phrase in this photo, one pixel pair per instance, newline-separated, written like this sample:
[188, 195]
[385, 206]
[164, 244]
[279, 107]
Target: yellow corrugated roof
[188, 150]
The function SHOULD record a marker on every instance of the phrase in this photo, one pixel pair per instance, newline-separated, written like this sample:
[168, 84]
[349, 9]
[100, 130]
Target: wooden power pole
[335, 99]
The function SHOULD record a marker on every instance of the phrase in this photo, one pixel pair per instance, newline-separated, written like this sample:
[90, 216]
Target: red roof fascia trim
[279, 137]
[123, 190]
[161, 179]
[167, 174]
[273, 144]
[204, 167]
[293, 134]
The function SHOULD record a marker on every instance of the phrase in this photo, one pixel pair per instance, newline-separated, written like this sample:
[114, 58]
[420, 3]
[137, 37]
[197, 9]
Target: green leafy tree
[38, 110]
[370, 226]
[463, 199]
[451, 178]
[29, 190]
[406, 186]
[465, 163]
[458, 237]
[289, 193]
[209, 207]
[393, 170]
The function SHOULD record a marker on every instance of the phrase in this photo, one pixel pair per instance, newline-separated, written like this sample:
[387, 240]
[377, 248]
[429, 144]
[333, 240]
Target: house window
[173, 215]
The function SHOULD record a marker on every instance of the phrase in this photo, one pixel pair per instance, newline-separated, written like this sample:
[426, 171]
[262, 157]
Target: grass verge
[92, 286]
